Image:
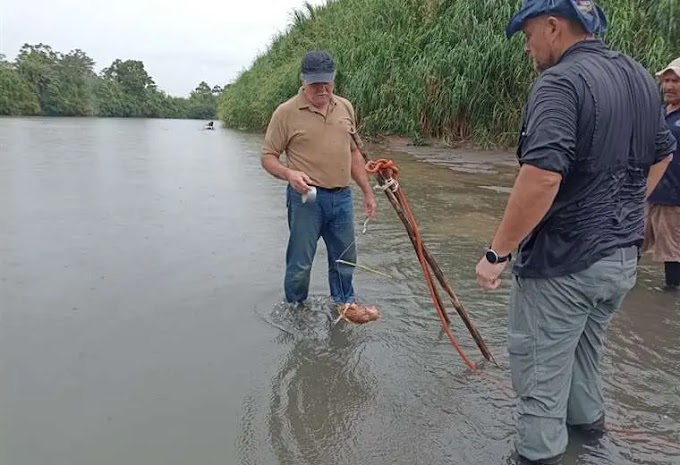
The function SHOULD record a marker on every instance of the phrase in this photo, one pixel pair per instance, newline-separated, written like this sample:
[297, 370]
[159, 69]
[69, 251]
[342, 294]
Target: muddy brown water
[141, 268]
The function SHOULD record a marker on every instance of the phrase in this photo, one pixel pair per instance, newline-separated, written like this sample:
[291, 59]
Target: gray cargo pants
[556, 331]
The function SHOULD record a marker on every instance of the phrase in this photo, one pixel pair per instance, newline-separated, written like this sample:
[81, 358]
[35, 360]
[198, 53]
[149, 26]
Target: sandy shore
[461, 159]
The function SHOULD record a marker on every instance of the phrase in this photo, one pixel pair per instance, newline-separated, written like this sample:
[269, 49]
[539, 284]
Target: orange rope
[378, 166]
[389, 170]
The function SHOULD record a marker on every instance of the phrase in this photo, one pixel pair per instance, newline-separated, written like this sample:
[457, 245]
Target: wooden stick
[462, 312]
[474, 332]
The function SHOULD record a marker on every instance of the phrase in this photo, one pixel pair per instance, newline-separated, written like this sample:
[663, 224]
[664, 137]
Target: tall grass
[429, 68]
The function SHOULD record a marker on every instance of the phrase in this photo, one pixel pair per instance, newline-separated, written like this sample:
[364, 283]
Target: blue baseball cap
[585, 12]
[317, 66]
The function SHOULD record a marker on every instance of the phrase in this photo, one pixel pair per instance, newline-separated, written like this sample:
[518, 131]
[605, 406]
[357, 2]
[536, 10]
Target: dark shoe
[594, 430]
[516, 459]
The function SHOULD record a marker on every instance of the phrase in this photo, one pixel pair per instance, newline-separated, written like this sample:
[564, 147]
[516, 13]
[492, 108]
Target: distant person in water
[662, 232]
[209, 125]
[314, 129]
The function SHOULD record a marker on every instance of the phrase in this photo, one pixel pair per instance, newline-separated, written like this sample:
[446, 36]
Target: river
[141, 266]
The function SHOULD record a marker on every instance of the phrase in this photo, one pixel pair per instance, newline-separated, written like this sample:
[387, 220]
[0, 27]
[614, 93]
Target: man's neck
[323, 110]
[670, 108]
[569, 43]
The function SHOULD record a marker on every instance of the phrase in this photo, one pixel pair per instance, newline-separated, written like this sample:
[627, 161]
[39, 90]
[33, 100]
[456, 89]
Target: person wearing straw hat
[314, 128]
[593, 143]
[662, 226]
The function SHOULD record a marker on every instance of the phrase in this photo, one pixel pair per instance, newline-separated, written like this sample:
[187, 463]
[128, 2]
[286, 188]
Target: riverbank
[464, 158]
[428, 69]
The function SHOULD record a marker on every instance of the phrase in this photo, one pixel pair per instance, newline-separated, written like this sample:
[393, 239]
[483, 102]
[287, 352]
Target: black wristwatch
[493, 257]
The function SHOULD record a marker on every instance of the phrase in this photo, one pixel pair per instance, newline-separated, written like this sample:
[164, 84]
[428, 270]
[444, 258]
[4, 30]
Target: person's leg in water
[672, 270]
[586, 409]
[545, 321]
[304, 224]
[338, 234]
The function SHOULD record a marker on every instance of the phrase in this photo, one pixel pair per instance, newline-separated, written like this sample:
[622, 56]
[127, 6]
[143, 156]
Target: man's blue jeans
[331, 217]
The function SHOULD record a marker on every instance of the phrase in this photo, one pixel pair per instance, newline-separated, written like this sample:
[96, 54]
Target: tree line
[42, 81]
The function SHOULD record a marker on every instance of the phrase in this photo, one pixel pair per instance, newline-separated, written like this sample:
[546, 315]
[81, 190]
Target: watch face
[491, 256]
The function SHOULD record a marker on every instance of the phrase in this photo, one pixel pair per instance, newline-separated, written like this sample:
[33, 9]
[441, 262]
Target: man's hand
[369, 205]
[299, 181]
[488, 274]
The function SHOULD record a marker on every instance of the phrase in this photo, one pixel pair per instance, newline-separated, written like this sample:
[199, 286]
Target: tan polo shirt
[317, 145]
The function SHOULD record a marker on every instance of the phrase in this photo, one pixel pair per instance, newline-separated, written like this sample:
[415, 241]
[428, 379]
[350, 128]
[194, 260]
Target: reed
[438, 69]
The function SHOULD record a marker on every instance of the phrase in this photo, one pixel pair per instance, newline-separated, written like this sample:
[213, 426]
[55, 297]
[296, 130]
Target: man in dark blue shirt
[594, 143]
[662, 231]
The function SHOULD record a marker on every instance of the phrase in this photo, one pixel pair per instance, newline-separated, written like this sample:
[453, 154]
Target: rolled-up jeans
[330, 216]
[556, 332]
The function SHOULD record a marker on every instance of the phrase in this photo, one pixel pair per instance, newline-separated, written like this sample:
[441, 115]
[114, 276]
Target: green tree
[136, 84]
[71, 91]
[109, 98]
[36, 65]
[16, 95]
[64, 84]
[44, 81]
[161, 105]
[203, 102]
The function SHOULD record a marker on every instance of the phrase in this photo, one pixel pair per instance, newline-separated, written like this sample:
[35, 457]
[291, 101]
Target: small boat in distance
[209, 126]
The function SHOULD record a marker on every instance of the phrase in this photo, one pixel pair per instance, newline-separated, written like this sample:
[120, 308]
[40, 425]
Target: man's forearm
[273, 166]
[532, 195]
[359, 172]
[656, 173]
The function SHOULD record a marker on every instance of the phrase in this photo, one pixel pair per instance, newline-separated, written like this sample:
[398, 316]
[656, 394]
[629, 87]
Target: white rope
[390, 184]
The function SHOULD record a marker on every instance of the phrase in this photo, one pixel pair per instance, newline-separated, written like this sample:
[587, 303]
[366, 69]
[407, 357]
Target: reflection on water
[311, 320]
[317, 394]
[141, 324]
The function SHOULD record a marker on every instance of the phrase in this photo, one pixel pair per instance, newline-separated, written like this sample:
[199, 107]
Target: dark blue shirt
[668, 190]
[597, 119]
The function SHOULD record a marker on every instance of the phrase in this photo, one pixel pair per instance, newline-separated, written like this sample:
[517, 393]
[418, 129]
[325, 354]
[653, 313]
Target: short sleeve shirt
[667, 192]
[319, 145]
[595, 118]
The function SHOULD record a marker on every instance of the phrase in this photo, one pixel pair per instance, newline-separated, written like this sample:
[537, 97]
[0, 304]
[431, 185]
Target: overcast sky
[181, 42]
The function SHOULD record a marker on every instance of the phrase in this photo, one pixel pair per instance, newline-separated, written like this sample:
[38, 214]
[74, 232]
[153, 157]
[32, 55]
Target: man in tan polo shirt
[314, 129]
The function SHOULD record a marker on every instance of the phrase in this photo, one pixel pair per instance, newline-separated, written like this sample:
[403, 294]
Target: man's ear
[553, 24]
